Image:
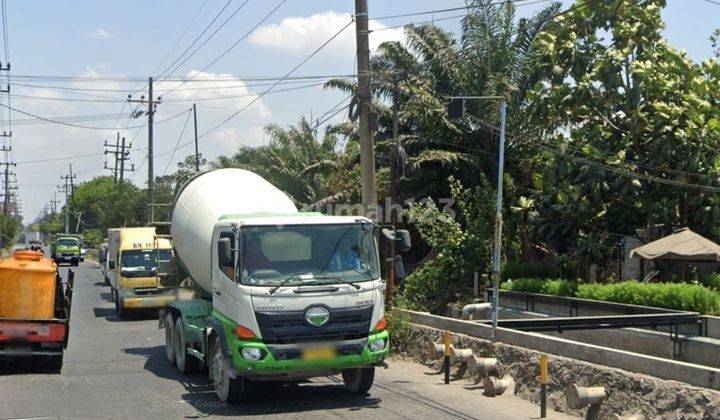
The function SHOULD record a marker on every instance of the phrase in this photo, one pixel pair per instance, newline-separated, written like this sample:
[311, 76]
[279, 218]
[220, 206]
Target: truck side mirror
[224, 252]
[402, 237]
[111, 264]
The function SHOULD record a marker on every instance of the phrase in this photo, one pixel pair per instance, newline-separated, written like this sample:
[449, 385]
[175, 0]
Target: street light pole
[498, 224]
[456, 109]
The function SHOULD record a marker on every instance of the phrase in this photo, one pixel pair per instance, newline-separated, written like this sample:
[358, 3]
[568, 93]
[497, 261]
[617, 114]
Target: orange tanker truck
[34, 308]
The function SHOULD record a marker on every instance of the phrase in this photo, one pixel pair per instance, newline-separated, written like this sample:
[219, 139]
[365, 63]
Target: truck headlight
[377, 345]
[251, 353]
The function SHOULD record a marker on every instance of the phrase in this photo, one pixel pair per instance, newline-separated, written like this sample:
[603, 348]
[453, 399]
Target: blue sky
[131, 39]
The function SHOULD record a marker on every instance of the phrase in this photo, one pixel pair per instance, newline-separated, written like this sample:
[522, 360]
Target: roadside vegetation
[610, 130]
[686, 297]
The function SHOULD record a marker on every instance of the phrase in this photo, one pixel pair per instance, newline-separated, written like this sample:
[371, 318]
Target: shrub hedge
[681, 296]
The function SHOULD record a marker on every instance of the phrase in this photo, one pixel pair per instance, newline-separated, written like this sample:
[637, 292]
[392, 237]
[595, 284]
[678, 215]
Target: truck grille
[290, 327]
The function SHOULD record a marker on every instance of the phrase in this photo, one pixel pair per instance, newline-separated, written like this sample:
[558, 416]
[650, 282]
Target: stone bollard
[496, 386]
[578, 397]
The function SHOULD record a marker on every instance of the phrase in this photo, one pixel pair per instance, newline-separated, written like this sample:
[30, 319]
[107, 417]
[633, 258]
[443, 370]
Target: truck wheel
[170, 339]
[358, 380]
[186, 363]
[227, 389]
[119, 308]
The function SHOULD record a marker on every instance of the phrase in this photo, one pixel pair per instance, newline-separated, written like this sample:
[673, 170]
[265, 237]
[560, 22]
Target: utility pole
[456, 109]
[364, 96]
[151, 105]
[197, 154]
[114, 169]
[121, 153]
[6, 186]
[68, 189]
[498, 224]
[7, 133]
[54, 202]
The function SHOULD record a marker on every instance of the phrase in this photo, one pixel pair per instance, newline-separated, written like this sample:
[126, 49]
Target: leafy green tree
[461, 245]
[102, 203]
[633, 128]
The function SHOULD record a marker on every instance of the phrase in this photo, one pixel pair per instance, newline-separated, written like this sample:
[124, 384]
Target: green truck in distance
[65, 248]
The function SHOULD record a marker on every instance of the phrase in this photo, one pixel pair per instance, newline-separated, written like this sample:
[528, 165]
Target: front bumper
[147, 299]
[285, 360]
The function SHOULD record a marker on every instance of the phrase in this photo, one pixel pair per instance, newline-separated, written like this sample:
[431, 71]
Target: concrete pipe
[496, 386]
[481, 365]
[435, 350]
[472, 308]
[578, 397]
[462, 355]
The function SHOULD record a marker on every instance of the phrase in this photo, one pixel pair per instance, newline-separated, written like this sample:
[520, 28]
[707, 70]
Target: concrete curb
[689, 373]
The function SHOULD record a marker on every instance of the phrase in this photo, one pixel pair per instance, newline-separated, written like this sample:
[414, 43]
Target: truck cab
[133, 256]
[66, 249]
[292, 297]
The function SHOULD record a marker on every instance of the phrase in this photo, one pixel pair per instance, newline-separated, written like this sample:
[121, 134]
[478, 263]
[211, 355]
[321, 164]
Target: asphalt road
[117, 369]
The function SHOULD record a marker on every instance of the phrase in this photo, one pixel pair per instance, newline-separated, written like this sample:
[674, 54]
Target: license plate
[319, 353]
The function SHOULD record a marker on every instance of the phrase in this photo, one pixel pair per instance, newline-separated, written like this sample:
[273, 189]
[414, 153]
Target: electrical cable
[182, 132]
[207, 27]
[227, 50]
[208, 38]
[180, 38]
[300, 64]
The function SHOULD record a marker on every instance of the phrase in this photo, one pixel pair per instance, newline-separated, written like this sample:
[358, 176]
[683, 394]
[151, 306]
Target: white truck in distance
[279, 294]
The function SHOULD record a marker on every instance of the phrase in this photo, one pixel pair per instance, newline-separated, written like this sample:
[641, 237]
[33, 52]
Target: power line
[210, 36]
[83, 126]
[613, 169]
[178, 143]
[194, 41]
[227, 50]
[300, 64]
[453, 9]
[182, 35]
[71, 157]
[189, 88]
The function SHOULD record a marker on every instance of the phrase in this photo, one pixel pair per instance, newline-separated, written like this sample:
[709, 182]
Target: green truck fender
[214, 326]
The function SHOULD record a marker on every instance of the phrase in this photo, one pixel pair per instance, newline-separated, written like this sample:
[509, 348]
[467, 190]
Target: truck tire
[227, 389]
[170, 338]
[119, 308]
[358, 380]
[186, 363]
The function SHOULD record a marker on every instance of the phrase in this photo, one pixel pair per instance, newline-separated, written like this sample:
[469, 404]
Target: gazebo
[683, 245]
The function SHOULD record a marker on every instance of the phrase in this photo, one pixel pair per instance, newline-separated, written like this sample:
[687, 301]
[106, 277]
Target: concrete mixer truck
[278, 294]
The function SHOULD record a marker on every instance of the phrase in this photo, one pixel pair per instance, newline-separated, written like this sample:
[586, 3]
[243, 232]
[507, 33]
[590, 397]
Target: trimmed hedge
[681, 296]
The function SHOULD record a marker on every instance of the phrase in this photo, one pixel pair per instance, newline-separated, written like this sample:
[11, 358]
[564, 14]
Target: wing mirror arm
[401, 237]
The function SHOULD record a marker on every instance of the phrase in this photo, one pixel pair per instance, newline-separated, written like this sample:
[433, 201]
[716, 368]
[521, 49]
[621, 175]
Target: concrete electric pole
[68, 189]
[151, 104]
[197, 153]
[364, 98]
[121, 153]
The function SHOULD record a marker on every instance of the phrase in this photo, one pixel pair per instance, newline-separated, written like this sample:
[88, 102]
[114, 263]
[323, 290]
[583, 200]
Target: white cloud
[304, 34]
[99, 33]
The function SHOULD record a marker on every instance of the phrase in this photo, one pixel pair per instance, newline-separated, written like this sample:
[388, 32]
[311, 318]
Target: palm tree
[492, 57]
[294, 161]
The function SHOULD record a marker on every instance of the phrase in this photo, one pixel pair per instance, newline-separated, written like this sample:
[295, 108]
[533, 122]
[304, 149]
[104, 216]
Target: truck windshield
[308, 254]
[141, 263]
[67, 242]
